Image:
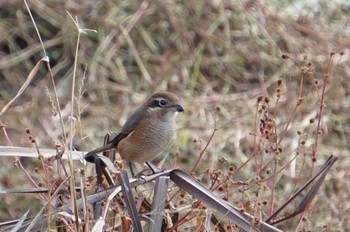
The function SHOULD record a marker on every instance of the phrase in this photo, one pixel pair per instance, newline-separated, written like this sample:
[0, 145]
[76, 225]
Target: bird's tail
[91, 155]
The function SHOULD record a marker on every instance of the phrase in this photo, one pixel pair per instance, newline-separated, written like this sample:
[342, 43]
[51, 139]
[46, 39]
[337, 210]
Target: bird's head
[165, 104]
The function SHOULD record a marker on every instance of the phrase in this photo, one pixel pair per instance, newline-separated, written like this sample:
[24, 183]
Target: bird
[147, 132]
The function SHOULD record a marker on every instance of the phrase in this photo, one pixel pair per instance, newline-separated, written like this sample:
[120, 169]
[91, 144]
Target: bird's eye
[162, 103]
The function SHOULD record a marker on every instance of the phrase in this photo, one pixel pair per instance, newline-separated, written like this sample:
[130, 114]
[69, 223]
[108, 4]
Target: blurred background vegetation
[218, 56]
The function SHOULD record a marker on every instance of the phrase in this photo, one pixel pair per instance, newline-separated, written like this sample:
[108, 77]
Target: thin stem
[203, 151]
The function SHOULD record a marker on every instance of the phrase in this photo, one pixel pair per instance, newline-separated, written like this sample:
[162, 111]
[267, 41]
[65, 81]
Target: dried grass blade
[20, 222]
[129, 200]
[98, 227]
[37, 223]
[109, 164]
[25, 85]
[310, 195]
[42, 222]
[186, 182]
[158, 205]
[194, 188]
[30, 190]
[8, 151]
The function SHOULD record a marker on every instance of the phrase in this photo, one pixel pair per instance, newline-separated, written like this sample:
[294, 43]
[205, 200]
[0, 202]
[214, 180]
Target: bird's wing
[133, 121]
[127, 129]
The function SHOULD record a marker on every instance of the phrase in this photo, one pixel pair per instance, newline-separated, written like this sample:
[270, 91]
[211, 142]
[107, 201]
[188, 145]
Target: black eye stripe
[161, 103]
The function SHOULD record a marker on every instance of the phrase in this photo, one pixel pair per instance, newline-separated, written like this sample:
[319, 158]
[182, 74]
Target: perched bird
[147, 132]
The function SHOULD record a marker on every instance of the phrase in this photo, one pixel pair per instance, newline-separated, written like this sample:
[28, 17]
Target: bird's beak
[179, 108]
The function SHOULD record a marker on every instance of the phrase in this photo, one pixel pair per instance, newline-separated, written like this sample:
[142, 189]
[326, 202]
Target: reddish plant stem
[255, 144]
[183, 219]
[322, 105]
[294, 111]
[273, 186]
[203, 151]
